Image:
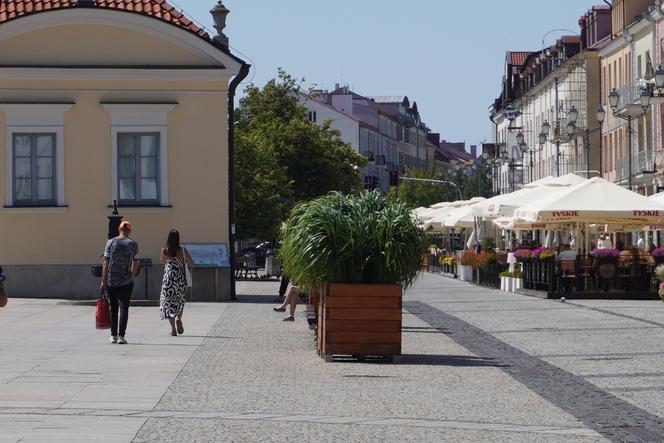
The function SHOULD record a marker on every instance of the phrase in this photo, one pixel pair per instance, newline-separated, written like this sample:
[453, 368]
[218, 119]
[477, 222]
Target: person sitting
[292, 297]
[565, 253]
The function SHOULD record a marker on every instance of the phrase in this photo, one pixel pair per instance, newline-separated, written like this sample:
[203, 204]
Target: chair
[238, 266]
[586, 273]
[567, 272]
[250, 267]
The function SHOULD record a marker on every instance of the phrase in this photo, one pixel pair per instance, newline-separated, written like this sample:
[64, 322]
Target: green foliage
[282, 158]
[471, 182]
[417, 194]
[488, 244]
[351, 239]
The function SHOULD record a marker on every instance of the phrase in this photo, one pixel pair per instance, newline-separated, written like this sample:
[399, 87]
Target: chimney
[219, 14]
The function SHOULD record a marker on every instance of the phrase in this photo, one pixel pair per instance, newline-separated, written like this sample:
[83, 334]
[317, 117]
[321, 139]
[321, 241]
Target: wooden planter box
[360, 321]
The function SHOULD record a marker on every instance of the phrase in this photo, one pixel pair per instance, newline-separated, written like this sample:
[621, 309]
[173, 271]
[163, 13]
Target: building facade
[387, 130]
[102, 102]
[550, 98]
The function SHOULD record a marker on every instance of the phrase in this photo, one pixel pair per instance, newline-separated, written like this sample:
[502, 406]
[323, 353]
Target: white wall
[349, 127]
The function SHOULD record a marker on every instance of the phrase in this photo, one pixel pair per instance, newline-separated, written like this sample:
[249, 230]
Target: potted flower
[448, 264]
[522, 255]
[542, 254]
[517, 278]
[659, 273]
[361, 251]
[658, 255]
[606, 255]
[468, 261]
[505, 276]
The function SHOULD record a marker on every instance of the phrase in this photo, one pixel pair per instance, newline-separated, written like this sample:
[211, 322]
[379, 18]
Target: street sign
[208, 255]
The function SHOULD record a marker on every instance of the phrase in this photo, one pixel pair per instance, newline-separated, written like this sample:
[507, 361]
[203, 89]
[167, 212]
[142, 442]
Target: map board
[209, 255]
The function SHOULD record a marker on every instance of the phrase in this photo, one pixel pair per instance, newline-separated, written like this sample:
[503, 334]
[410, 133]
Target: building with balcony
[627, 66]
[539, 89]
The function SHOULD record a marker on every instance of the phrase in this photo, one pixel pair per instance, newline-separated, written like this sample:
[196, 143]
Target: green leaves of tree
[283, 159]
[473, 183]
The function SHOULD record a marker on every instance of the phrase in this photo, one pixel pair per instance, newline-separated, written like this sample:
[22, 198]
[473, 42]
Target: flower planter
[503, 283]
[465, 273]
[518, 284]
[510, 284]
[360, 320]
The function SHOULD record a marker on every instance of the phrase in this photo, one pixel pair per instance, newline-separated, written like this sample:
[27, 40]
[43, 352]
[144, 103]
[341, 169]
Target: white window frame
[24, 118]
[137, 118]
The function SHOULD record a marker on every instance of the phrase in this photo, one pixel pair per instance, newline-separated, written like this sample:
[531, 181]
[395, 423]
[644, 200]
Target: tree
[471, 180]
[417, 194]
[283, 159]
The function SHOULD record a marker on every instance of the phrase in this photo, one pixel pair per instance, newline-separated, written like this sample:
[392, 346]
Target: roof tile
[159, 9]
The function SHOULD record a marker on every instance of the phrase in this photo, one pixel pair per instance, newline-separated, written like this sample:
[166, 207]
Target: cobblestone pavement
[264, 382]
[478, 365]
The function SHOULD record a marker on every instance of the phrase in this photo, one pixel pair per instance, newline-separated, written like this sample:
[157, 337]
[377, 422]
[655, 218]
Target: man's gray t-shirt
[120, 252]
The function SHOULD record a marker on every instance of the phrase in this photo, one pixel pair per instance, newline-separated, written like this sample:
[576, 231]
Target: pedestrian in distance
[119, 267]
[292, 296]
[174, 283]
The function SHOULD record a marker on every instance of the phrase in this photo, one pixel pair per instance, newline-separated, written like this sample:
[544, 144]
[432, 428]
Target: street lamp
[519, 138]
[572, 129]
[630, 114]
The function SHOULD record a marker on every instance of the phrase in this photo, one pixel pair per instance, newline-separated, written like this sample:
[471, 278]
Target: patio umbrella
[460, 218]
[593, 201]
[505, 204]
[436, 219]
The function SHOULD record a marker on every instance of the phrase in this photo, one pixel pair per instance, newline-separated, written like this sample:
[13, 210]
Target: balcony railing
[646, 162]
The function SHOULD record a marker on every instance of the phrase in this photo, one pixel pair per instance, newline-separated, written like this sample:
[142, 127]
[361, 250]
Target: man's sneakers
[289, 318]
[121, 340]
[114, 339]
[279, 309]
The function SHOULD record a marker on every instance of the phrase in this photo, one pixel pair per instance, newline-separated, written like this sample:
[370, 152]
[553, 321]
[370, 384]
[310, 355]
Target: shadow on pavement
[448, 360]
[424, 330]
[271, 299]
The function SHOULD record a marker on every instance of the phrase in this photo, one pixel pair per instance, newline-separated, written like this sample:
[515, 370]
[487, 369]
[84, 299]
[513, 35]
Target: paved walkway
[478, 365]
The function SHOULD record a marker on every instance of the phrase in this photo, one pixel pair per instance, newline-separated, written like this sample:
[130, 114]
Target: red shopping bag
[103, 314]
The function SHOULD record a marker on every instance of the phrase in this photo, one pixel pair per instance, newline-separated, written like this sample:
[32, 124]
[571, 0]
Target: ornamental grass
[360, 238]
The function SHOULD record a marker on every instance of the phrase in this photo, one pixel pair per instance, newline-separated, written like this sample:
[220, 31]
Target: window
[139, 153]
[138, 167]
[312, 116]
[34, 154]
[33, 169]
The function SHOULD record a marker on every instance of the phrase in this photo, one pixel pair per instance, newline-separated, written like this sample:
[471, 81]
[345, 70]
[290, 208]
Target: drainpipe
[219, 13]
[244, 71]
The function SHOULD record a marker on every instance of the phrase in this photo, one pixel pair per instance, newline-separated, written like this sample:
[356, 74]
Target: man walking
[117, 277]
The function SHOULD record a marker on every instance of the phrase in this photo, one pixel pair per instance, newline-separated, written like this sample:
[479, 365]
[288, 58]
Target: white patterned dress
[173, 288]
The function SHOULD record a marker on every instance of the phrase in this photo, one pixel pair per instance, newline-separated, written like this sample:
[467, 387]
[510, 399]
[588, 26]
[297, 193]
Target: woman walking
[174, 283]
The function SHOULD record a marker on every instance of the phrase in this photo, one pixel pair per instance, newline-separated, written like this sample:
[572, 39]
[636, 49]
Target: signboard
[209, 255]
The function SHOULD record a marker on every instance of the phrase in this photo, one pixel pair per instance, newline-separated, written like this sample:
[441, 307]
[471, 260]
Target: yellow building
[104, 101]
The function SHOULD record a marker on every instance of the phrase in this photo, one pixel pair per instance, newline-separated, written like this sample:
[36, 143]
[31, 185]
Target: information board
[209, 255]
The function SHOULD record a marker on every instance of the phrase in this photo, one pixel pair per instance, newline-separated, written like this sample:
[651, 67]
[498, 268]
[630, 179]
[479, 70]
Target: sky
[446, 55]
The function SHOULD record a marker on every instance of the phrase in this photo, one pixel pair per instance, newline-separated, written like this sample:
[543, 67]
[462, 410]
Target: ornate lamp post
[573, 130]
[630, 112]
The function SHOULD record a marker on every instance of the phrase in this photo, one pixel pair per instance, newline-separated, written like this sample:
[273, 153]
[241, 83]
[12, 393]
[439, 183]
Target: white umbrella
[505, 204]
[594, 200]
[460, 218]
[436, 219]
